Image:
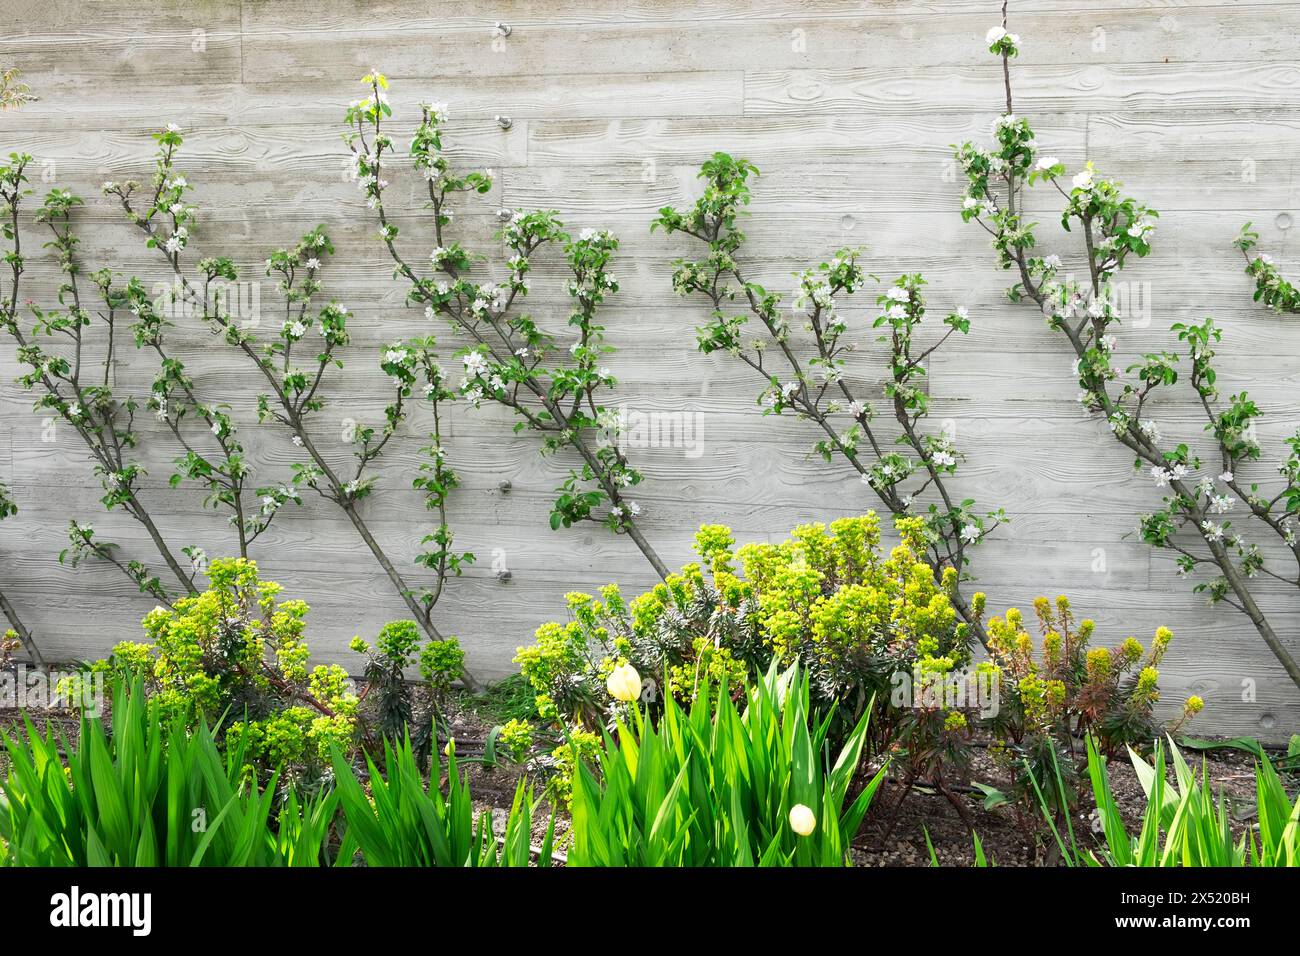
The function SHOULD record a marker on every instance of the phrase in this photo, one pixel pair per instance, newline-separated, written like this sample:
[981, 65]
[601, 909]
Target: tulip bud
[624, 683]
[802, 820]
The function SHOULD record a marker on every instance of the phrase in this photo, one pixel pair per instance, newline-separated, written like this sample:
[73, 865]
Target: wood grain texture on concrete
[848, 108]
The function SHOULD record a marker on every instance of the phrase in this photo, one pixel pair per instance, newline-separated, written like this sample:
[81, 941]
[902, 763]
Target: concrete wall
[847, 108]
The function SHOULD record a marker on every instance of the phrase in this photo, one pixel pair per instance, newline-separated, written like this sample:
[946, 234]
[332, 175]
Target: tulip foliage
[402, 821]
[148, 794]
[1183, 824]
[722, 785]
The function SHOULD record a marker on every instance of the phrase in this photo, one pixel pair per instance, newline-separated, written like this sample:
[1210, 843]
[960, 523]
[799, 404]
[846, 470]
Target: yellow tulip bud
[802, 820]
[624, 683]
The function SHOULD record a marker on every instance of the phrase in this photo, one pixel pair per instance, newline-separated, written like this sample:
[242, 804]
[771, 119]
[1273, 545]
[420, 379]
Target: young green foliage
[511, 360]
[810, 378]
[1196, 520]
[295, 394]
[1271, 287]
[72, 384]
[1183, 823]
[863, 625]
[389, 693]
[236, 650]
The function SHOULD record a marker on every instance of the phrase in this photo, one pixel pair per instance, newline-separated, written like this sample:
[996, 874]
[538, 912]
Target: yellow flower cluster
[1074, 685]
[233, 643]
[825, 595]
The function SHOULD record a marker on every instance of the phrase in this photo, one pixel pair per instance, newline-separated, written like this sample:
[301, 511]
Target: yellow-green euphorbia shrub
[828, 597]
[237, 651]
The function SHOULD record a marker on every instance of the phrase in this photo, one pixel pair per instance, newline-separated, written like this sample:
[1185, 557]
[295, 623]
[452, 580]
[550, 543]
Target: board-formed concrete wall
[848, 108]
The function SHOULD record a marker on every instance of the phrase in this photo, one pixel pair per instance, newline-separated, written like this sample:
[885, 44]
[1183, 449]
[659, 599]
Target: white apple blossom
[1221, 504]
[1139, 229]
[997, 33]
[176, 241]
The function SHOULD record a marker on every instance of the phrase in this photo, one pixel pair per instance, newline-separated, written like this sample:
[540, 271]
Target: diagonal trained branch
[1112, 227]
[104, 424]
[7, 510]
[507, 361]
[295, 392]
[174, 402]
[816, 388]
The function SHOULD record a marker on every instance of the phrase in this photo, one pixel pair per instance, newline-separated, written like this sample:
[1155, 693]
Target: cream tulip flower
[624, 683]
[802, 820]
